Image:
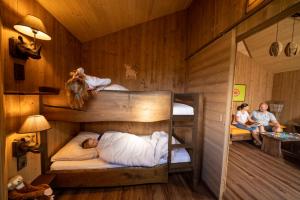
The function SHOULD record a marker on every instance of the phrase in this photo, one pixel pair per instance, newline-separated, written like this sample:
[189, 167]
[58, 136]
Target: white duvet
[131, 150]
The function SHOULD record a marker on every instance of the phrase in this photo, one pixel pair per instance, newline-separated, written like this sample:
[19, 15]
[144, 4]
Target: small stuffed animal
[20, 190]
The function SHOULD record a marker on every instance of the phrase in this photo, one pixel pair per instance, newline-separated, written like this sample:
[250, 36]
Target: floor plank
[253, 174]
[177, 189]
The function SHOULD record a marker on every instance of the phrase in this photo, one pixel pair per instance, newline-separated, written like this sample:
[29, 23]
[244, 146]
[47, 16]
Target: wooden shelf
[28, 93]
[44, 179]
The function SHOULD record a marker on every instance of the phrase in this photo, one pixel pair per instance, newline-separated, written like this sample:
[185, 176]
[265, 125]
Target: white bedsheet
[180, 155]
[182, 109]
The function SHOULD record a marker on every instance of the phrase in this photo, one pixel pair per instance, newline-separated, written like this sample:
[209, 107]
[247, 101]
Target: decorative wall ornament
[239, 93]
[292, 48]
[130, 72]
[276, 47]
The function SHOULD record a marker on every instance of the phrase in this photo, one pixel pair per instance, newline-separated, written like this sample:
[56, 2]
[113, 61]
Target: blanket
[131, 150]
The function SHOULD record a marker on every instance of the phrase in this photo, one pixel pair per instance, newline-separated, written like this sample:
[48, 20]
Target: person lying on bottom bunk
[129, 149]
[266, 119]
[90, 142]
[243, 118]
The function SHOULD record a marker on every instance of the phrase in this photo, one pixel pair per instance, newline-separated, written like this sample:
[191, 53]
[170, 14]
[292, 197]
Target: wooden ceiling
[259, 44]
[89, 19]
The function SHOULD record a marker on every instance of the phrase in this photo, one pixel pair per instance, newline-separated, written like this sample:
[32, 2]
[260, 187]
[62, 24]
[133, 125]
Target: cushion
[116, 87]
[236, 131]
[73, 150]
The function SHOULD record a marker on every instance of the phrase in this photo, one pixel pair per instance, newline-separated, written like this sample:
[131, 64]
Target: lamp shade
[34, 123]
[31, 25]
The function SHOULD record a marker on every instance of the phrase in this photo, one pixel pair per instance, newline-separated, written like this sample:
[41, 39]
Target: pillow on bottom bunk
[73, 150]
[131, 150]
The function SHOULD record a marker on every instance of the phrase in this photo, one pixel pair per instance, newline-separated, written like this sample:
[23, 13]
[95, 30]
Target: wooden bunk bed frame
[123, 107]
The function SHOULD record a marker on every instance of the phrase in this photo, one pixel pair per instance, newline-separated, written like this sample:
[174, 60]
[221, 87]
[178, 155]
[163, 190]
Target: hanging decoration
[292, 48]
[276, 47]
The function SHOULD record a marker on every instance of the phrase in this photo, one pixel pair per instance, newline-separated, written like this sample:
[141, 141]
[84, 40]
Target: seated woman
[242, 117]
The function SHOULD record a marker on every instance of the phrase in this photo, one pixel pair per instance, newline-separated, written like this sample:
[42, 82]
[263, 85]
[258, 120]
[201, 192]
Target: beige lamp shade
[34, 123]
[33, 27]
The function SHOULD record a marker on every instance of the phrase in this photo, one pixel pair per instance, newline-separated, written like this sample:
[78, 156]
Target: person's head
[77, 92]
[243, 106]
[89, 143]
[263, 107]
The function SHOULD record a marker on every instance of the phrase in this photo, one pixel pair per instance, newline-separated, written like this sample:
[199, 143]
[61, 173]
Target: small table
[272, 142]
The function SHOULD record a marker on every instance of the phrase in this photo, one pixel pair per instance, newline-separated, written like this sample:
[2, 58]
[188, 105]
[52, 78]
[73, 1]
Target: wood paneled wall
[207, 19]
[2, 128]
[286, 88]
[211, 72]
[59, 56]
[155, 50]
[258, 81]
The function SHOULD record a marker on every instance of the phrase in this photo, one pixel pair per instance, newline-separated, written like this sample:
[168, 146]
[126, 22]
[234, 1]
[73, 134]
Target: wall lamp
[33, 27]
[32, 124]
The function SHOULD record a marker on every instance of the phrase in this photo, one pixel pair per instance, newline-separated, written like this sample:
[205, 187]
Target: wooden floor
[176, 189]
[253, 174]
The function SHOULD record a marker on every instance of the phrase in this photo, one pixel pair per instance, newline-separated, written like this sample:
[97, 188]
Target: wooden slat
[288, 83]
[3, 167]
[103, 17]
[111, 177]
[278, 179]
[154, 50]
[214, 119]
[177, 188]
[116, 106]
[258, 81]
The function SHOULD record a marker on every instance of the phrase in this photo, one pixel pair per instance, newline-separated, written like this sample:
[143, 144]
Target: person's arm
[273, 120]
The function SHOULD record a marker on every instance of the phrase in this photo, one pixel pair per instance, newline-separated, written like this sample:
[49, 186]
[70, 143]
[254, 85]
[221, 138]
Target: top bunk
[133, 106]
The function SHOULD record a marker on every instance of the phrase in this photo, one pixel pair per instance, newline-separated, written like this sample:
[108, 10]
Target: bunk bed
[146, 109]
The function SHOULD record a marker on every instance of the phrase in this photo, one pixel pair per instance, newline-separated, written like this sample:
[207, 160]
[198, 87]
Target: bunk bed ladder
[190, 122]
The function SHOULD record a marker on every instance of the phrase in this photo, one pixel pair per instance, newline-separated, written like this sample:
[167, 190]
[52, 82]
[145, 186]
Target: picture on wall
[239, 93]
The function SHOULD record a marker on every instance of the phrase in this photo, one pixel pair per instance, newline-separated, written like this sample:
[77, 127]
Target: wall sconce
[33, 27]
[32, 124]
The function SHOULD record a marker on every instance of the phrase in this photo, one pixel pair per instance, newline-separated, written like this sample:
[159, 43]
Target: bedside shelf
[28, 93]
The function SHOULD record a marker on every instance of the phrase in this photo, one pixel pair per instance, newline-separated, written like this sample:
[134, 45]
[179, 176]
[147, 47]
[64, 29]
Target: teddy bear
[20, 190]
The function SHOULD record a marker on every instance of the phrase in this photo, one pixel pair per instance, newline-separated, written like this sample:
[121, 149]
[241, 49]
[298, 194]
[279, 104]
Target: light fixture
[35, 124]
[292, 48]
[33, 27]
[32, 124]
[276, 47]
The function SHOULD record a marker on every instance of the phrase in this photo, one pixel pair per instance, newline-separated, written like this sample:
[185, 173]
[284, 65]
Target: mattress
[182, 109]
[180, 156]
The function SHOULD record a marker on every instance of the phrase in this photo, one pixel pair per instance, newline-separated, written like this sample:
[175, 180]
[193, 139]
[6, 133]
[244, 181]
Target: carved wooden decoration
[130, 72]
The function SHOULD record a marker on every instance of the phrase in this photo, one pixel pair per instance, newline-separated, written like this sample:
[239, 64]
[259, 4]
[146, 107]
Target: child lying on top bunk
[81, 85]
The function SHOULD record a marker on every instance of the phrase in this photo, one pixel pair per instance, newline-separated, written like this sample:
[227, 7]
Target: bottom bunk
[75, 166]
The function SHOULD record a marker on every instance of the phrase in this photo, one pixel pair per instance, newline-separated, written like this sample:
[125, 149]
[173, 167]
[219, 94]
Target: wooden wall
[213, 76]
[258, 81]
[207, 19]
[2, 128]
[59, 56]
[155, 50]
[286, 88]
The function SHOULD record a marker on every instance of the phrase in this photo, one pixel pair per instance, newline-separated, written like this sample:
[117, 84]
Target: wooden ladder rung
[183, 117]
[181, 167]
[183, 126]
[186, 146]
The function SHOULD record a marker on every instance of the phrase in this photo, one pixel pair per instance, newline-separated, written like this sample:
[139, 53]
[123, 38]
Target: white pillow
[74, 151]
[116, 87]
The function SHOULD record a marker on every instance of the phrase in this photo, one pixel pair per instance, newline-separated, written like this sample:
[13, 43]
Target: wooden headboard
[127, 111]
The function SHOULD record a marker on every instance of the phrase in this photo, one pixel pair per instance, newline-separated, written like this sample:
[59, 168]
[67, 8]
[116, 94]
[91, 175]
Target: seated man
[266, 119]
